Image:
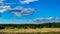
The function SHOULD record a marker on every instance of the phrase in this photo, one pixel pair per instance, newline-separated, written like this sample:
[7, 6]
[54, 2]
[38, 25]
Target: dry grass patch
[32, 30]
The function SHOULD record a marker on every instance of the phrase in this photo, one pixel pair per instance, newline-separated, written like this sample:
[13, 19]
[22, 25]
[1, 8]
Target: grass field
[46, 28]
[31, 31]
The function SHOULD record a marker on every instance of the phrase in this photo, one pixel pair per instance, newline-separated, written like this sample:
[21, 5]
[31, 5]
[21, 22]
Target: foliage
[33, 26]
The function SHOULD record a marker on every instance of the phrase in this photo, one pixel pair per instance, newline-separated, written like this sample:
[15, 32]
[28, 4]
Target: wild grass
[30, 33]
[46, 28]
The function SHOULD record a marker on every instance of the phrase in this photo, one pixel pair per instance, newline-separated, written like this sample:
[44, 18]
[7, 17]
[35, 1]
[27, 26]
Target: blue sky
[29, 11]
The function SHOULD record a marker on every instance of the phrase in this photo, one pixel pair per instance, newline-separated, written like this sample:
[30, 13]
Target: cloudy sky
[29, 11]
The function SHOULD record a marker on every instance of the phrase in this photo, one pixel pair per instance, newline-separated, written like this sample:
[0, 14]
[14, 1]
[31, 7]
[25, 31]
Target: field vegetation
[32, 26]
[45, 28]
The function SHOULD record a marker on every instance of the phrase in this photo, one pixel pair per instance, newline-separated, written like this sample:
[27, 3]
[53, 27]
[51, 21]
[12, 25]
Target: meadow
[45, 28]
[31, 33]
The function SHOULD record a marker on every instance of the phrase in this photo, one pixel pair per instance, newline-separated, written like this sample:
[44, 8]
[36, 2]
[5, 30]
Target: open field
[45, 28]
[32, 31]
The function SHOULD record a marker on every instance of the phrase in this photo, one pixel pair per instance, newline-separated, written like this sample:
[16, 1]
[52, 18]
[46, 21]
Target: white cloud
[1, 3]
[27, 1]
[21, 11]
[57, 18]
[18, 11]
[50, 19]
[4, 8]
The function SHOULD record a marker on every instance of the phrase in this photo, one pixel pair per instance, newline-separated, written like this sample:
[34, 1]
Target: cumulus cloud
[1, 3]
[21, 11]
[18, 10]
[24, 11]
[50, 19]
[4, 8]
[57, 18]
[27, 1]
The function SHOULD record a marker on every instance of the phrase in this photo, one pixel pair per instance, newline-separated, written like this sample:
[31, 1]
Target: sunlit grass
[46, 28]
[30, 33]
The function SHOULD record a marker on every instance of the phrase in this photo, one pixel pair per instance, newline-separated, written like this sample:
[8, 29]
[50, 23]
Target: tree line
[33, 26]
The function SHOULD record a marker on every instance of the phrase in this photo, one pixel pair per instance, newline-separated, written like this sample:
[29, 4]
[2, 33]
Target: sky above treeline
[29, 11]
